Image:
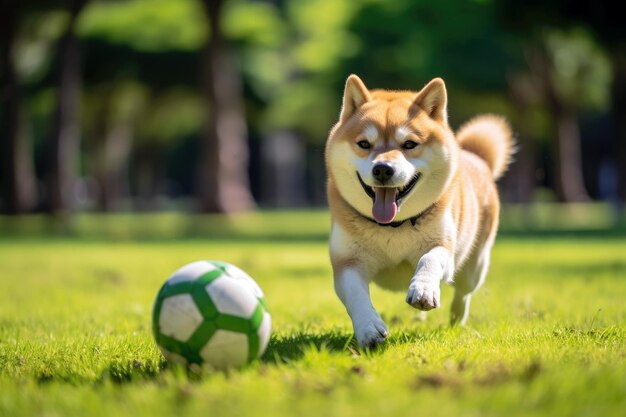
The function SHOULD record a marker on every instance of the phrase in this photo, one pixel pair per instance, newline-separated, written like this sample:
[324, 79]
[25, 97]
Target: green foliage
[170, 115]
[582, 71]
[255, 23]
[305, 106]
[405, 44]
[116, 102]
[322, 38]
[146, 25]
[38, 34]
[290, 57]
[259, 31]
[391, 44]
[546, 335]
[40, 108]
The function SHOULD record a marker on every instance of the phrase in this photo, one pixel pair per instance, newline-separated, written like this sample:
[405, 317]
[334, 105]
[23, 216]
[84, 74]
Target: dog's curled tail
[490, 137]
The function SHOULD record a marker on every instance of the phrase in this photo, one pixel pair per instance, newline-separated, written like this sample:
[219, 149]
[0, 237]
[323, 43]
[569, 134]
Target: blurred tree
[286, 61]
[618, 110]
[573, 75]
[288, 66]
[64, 146]
[223, 184]
[17, 176]
[604, 18]
[519, 183]
[110, 111]
[404, 44]
[161, 55]
[167, 116]
[140, 98]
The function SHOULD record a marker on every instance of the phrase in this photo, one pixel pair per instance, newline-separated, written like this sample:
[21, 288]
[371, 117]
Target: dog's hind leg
[468, 280]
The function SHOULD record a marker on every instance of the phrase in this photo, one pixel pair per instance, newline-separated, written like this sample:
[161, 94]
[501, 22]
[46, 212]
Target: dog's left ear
[433, 99]
[354, 96]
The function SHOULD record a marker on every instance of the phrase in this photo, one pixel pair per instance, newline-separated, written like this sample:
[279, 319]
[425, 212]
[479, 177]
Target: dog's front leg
[353, 290]
[435, 266]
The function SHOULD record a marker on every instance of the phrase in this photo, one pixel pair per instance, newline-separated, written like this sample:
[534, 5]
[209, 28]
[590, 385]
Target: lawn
[546, 337]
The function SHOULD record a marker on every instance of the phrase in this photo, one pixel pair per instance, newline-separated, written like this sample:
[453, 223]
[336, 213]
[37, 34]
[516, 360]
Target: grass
[547, 333]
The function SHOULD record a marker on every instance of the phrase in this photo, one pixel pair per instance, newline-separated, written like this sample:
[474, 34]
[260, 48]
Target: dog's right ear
[354, 96]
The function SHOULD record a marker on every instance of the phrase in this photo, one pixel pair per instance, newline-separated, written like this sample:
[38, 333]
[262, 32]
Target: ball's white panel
[232, 296]
[191, 271]
[173, 357]
[179, 317]
[226, 349]
[264, 332]
[240, 274]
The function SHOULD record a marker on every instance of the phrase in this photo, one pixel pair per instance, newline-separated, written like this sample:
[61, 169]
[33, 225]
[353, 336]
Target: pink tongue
[385, 207]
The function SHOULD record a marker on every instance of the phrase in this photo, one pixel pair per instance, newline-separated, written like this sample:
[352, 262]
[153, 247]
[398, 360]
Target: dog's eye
[409, 144]
[363, 144]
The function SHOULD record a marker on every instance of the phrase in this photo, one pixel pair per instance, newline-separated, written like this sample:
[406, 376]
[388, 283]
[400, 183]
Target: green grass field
[546, 337]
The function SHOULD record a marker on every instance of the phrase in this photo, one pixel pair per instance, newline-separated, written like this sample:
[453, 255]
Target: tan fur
[456, 190]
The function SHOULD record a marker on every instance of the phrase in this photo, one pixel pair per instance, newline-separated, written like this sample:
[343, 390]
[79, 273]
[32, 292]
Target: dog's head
[391, 151]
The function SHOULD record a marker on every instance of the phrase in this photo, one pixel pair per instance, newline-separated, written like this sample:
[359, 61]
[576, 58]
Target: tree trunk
[520, 184]
[223, 184]
[149, 166]
[17, 174]
[619, 116]
[568, 176]
[65, 140]
[111, 156]
[112, 166]
[523, 171]
[284, 170]
[567, 164]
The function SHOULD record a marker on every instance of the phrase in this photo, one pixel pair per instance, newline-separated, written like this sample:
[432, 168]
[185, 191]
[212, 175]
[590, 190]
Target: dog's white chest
[390, 255]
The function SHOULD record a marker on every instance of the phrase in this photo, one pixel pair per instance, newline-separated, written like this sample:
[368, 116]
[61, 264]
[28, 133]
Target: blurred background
[219, 106]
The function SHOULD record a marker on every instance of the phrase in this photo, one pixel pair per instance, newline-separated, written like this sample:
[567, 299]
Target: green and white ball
[211, 314]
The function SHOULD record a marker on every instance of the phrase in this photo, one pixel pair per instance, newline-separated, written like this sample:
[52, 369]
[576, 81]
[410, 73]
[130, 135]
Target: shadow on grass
[292, 348]
[128, 371]
[118, 371]
[282, 350]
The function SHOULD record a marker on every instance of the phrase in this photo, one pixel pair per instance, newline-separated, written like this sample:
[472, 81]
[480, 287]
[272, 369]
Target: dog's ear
[433, 99]
[354, 96]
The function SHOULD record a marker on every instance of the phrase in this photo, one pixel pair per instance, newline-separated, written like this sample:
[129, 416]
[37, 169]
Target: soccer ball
[211, 314]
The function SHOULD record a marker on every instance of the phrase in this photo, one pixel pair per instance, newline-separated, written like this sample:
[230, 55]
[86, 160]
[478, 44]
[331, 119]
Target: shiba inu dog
[412, 203]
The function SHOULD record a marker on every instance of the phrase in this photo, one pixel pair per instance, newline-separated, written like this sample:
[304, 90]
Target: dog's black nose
[382, 171]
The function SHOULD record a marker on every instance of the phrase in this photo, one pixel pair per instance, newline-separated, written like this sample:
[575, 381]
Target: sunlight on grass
[546, 336]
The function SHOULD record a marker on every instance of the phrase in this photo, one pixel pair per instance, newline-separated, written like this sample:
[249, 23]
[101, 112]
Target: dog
[412, 204]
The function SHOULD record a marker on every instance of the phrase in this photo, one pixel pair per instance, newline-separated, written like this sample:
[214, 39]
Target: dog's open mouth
[387, 199]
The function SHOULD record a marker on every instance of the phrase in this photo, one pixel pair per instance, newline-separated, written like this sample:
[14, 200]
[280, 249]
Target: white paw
[423, 295]
[370, 333]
